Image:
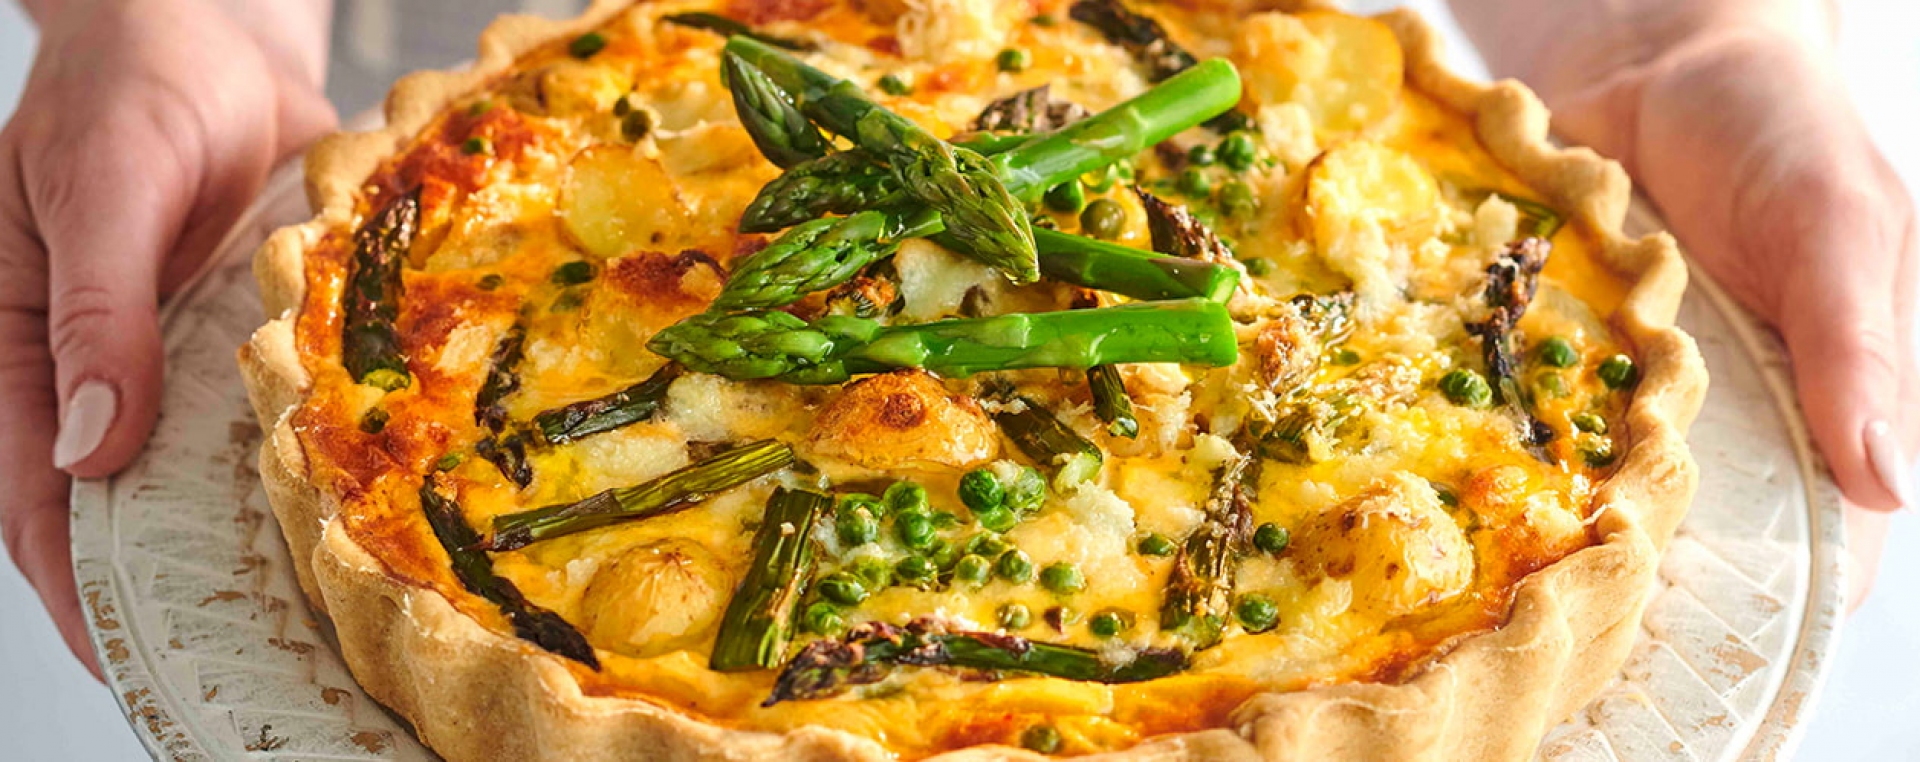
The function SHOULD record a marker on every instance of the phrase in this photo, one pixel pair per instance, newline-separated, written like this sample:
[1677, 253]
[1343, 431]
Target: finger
[1866, 538]
[33, 515]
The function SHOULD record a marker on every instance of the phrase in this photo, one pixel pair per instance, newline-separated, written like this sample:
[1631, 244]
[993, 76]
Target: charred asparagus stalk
[370, 346]
[1038, 433]
[776, 126]
[1511, 281]
[1149, 44]
[507, 452]
[759, 620]
[1177, 233]
[726, 27]
[869, 651]
[501, 380]
[667, 494]
[588, 417]
[1200, 590]
[475, 571]
[772, 344]
[958, 183]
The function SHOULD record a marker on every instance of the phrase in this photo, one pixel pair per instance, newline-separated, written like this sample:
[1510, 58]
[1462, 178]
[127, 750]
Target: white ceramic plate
[214, 655]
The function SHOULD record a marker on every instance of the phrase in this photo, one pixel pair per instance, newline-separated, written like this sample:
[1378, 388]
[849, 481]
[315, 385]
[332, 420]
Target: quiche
[867, 379]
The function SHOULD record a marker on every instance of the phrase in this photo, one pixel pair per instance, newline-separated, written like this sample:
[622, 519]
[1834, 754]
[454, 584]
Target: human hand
[145, 127]
[1731, 116]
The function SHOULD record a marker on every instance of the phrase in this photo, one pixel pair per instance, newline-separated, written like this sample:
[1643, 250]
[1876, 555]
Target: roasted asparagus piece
[1149, 44]
[370, 346]
[773, 344]
[958, 183]
[776, 126]
[1110, 401]
[588, 417]
[1177, 233]
[726, 27]
[760, 618]
[1200, 590]
[870, 651]
[474, 569]
[667, 494]
[1511, 281]
[1040, 434]
[501, 380]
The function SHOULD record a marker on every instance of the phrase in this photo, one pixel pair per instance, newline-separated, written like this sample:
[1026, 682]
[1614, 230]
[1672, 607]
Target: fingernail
[90, 413]
[1883, 451]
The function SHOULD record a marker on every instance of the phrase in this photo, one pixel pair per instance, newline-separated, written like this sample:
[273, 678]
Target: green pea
[1014, 616]
[1110, 623]
[914, 529]
[1155, 544]
[1067, 197]
[1040, 738]
[872, 573]
[1346, 357]
[916, 570]
[1013, 60]
[843, 588]
[1272, 538]
[905, 497]
[1551, 385]
[1104, 219]
[856, 525]
[1557, 352]
[986, 544]
[1193, 182]
[1015, 566]
[449, 461]
[1027, 490]
[586, 45]
[894, 84]
[477, 146]
[822, 618]
[973, 569]
[1598, 453]
[944, 519]
[1238, 151]
[1618, 372]
[491, 282]
[944, 553]
[374, 421]
[998, 519]
[1257, 613]
[1236, 199]
[1201, 155]
[1466, 388]
[1257, 267]
[1062, 578]
[636, 124]
[572, 273]
[851, 500]
[1590, 423]
[981, 491]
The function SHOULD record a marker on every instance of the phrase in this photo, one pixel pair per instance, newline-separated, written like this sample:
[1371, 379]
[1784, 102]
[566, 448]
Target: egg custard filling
[950, 373]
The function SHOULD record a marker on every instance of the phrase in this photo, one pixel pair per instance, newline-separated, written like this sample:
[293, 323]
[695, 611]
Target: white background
[50, 709]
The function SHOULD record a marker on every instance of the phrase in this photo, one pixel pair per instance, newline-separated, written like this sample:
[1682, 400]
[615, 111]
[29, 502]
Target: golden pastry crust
[474, 693]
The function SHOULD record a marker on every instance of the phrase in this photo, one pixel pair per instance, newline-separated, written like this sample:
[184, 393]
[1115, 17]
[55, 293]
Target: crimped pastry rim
[475, 694]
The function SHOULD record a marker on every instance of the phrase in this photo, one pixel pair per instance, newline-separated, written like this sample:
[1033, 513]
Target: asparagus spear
[869, 651]
[370, 347]
[1537, 220]
[501, 380]
[1111, 404]
[776, 126]
[1051, 445]
[674, 492]
[1089, 263]
[475, 571]
[759, 620]
[1200, 590]
[958, 183]
[815, 256]
[772, 344]
[838, 183]
[588, 417]
[1149, 44]
[726, 27]
[1511, 281]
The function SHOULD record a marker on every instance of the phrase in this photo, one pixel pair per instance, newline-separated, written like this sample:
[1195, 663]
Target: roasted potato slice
[1346, 71]
[1394, 542]
[618, 200]
[655, 598]
[1366, 203]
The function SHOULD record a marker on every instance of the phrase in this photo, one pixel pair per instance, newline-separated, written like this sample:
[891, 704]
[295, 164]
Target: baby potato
[655, 599]
[617, 200]
[1346, 71]
[1394, 542]
[904, 418]
[1362, 199]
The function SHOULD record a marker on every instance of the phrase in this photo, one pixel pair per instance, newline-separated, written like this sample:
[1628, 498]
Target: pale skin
[147, 125]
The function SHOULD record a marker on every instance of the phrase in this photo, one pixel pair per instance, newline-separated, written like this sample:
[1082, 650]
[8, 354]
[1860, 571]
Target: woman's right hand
[145, 128]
